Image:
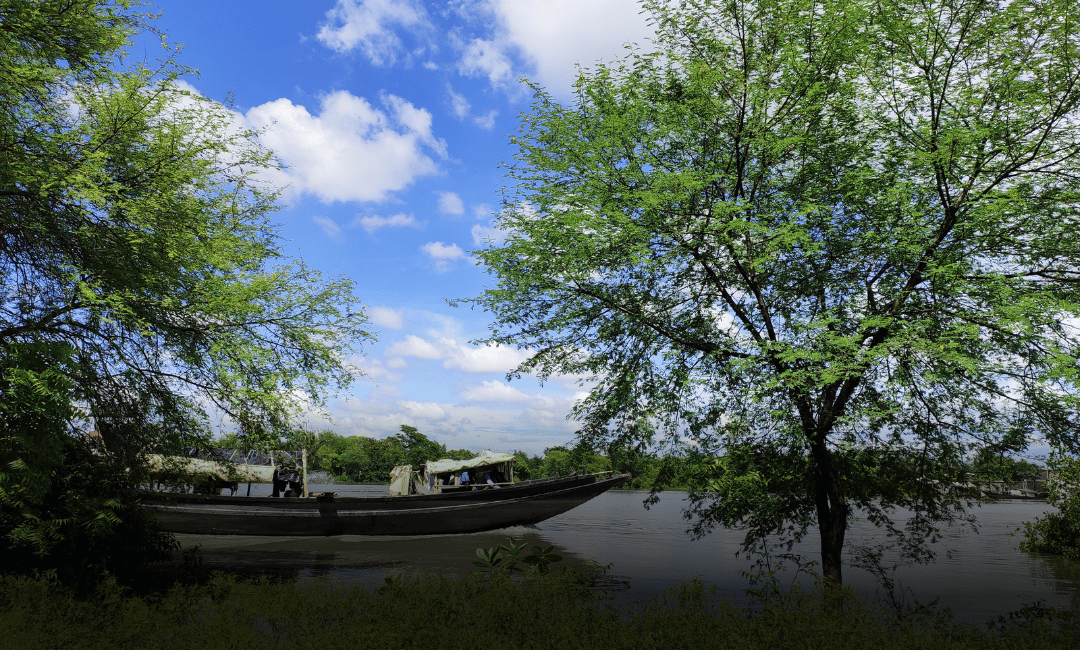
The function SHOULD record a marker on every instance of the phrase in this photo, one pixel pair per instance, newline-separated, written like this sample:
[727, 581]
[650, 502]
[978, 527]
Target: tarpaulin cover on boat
[486, 457]
[226, 463]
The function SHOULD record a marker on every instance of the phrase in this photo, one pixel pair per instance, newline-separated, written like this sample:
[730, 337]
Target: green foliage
[1058, 533]
[557, 462]
[356, 458]
[504, 559]
[141, 283]
[834, 243]
[993, 464]
[526, 467]
[135, 229]
[63, 507]
[556, 610]
[462, 454]
[418, 449]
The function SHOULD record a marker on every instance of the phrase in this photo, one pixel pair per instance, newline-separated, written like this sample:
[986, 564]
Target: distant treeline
[369, 460]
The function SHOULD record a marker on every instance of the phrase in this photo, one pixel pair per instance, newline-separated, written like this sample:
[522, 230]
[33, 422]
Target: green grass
[557, 611]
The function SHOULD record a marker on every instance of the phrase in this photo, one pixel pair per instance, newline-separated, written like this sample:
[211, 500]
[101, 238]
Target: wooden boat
[459, 511]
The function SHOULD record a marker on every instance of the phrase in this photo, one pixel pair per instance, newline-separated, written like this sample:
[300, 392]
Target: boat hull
[463, 512]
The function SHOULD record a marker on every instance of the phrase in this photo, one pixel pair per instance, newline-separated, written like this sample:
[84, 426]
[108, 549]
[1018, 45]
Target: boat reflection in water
[430, 503]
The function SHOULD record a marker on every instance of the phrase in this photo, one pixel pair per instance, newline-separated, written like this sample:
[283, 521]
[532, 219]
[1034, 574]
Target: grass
[557, 611]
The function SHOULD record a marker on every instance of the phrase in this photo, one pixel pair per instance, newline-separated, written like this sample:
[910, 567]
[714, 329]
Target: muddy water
[978, 575]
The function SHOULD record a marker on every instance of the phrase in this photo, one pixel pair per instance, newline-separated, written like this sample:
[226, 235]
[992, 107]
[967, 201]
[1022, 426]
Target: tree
[1058, 533]
[135, 244]
[418, 448]
[835, 243]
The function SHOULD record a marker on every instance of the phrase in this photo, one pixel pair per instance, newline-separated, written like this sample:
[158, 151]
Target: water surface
[978, 575]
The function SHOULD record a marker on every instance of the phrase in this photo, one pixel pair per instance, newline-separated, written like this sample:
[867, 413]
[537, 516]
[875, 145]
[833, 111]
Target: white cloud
[424, 410]
[543, 40]
[371, 223]
[350, 151]
[371, 26]
[329, 226]
[458, 103]
[487, 58]
[459, 356]
[450, 203]
[481, 359]
[494, 391]
[486, 122]
[461, 107]
[550, 38]
[531, 425]
[373, 369]
[414, 346]
[557, 34]
[386, 317]
[386, 392]
[443, 255]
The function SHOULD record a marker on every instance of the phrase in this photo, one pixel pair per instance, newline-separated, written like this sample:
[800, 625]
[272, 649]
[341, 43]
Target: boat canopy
[436, 473]
[161, 465]
[486, 457]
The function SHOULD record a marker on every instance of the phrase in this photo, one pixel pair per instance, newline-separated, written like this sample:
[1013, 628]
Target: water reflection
[983, 575]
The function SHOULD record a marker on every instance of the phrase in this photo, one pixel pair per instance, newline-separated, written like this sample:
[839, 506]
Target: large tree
[141, 281]
[834, 242]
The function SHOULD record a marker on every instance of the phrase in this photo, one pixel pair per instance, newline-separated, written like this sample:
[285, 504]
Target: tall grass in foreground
[556, 611]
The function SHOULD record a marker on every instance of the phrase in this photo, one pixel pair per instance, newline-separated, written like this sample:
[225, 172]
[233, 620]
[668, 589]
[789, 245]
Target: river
[978, 575]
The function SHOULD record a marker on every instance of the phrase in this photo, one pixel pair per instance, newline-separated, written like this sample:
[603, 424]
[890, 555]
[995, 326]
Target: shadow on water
[983, 576]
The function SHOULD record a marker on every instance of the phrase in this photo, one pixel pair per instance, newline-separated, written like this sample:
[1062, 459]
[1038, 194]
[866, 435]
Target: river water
[978, 575]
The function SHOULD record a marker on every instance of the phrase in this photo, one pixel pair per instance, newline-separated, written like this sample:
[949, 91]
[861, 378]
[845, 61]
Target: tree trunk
[832, 511]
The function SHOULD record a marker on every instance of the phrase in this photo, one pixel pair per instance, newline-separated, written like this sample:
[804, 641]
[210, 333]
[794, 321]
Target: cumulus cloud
[386, 317]
[487, 58]
[372, 26]
[414, 346]
[557, 34]
[443, 255]
[481, 359]
[450, 203]
[487, 414]
[477, 425]
[371, 223]
[374, 369]
[350, 150]
[459, 356]
[424, 410]
[543, 40]
[493, 391]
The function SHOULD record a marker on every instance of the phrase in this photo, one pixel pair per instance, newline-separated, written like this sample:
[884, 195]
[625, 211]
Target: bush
[555, 611]
[1058, 533]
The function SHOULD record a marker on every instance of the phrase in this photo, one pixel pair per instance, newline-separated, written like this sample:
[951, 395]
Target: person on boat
[487, 479]
[465, 480]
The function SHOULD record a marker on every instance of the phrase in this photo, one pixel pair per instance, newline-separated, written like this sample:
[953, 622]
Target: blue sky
[393, 117]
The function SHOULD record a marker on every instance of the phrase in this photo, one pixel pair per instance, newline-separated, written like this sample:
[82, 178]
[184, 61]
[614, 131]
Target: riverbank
[557, 611]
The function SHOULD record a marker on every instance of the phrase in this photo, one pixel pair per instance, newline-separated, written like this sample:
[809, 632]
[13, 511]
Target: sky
[393, 118]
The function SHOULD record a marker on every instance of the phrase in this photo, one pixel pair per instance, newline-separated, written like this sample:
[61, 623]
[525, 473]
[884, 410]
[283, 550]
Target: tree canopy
[141, 280]
[835, 244]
